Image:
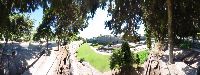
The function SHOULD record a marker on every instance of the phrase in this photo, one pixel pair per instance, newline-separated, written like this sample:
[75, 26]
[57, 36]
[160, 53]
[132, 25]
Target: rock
[152, 66]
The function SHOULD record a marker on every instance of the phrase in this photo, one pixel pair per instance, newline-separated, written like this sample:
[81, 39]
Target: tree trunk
[6, 41]
[193, 38]
[58, 44]
[170, 32]
[47, 42]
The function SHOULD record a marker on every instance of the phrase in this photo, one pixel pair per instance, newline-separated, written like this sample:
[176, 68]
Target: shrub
[141, 56]
[1, 45]
[94, 44]
[84, 41]
[121, 57]
[116, 59]
[198, 70]
[185, 45]
[19, 40]
[109, 44]
[81, 60]
[137, 59]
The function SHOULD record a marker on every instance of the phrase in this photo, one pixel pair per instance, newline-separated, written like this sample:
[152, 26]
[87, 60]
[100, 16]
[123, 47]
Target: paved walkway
[46, 65]
[179, 68]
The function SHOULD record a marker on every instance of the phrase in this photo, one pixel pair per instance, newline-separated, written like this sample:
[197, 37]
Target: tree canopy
[179, 17]
[18, 26]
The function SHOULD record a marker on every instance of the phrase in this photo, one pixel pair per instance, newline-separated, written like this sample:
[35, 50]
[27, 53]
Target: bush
[84, 41]
[198, 70]
[18, 40]
[81, 60]
[185, 45]
[94, 44]
[121, 57]
[141, 56]
[109, 44]
[1, 46]
[103, 43]
[116, 59]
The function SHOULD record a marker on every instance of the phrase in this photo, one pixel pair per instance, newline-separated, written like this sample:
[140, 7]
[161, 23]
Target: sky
[96, 25]
[95, 28]
[36, 16]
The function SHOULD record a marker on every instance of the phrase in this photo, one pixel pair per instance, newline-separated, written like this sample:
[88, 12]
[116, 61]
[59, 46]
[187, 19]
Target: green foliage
[18, 40]
[126, 16]
[104, 43]
[81, 60]
[84, 41]
[94, 44]
[110, 43]
[78, 13]
[141, 56]
[148, 36]
[127, 58]
[1, 46]
[19, 26]
[116, 59]
[185, 44]
[155, 24]
[121, 57]
[44, 30]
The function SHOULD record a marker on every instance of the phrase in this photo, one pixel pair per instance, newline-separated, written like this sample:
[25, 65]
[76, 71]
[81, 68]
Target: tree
[157, 18]
[18, 26]
[126, 16]
[44, 30]
[122, 59]
[170, 31]
[75, 18]
[9, 7]
[70, 16]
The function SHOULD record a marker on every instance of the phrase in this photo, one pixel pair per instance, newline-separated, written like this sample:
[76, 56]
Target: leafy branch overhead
[18, 26]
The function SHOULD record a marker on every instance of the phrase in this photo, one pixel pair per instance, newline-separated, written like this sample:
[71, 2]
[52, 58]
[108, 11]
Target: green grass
[143, 56]
[98, 61]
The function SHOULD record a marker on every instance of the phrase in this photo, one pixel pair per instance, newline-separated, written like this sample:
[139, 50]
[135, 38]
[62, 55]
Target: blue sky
[37, 17]
[95, 28]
